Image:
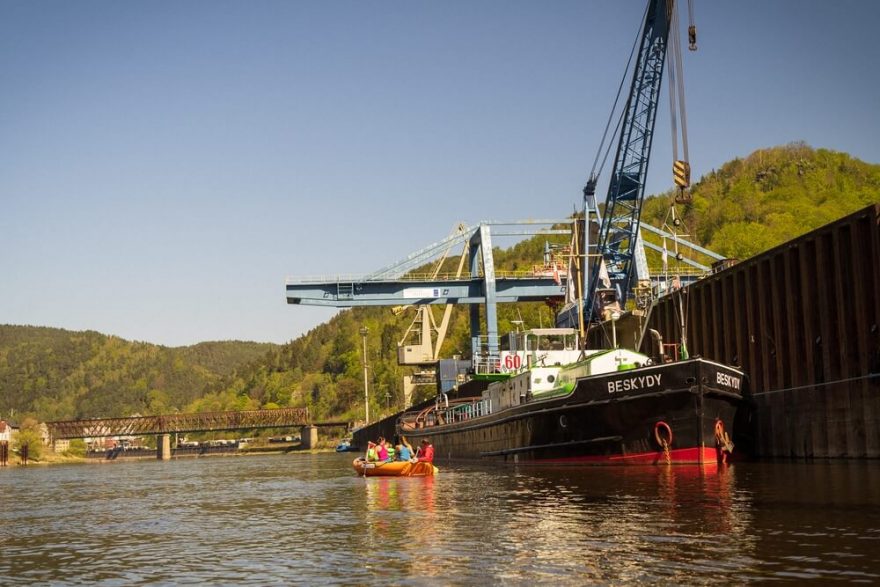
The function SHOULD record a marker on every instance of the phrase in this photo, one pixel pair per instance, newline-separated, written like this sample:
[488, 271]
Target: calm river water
[307, 519]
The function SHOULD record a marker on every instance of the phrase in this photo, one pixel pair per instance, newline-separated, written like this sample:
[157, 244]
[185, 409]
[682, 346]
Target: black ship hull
[675, 413]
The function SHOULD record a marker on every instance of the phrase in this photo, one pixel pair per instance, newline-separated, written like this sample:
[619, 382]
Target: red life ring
[668, 433]
[719, 431]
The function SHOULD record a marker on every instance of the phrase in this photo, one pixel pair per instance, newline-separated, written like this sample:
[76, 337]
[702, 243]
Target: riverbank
[50, 458]
[64, 460]
[45, 459]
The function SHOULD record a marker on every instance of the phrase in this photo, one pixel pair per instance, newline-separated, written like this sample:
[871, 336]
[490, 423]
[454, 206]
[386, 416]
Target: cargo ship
[550, 397]
[552, 403]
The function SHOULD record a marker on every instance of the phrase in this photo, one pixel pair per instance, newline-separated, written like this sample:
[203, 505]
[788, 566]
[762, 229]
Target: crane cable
[594, 175]
[680, 78]
[676, 92]
[692, 28]
[681, 167]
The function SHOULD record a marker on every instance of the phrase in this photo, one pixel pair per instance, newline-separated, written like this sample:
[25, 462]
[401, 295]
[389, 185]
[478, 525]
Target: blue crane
[396, 285]
[618, 231]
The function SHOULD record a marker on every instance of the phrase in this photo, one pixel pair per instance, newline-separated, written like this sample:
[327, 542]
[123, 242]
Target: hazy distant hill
[62, 374]
[741, 209]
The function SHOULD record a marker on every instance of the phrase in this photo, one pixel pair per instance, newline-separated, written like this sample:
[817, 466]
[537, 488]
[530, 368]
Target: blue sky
[165, 165]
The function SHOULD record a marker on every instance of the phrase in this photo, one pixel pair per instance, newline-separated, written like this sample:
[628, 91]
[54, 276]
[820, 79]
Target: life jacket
[427, 455]
[371, 454]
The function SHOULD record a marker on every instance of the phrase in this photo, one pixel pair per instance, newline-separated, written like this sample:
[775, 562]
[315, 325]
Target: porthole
[551, 379]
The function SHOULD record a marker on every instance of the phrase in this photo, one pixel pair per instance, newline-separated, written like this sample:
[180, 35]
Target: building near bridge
[5, 431]
[60, 445]
[57, 445]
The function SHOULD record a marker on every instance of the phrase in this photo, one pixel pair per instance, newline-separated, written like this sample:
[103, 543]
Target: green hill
[59, 374]
[773, 195]
[739, 210]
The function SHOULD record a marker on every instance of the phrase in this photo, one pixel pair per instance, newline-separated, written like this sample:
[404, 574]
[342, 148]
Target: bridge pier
[309, 437]
[163, 447]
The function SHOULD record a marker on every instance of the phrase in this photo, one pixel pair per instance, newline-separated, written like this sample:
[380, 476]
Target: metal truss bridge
[170, 423]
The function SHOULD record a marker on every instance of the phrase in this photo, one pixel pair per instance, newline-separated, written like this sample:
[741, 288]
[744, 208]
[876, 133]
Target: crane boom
[618, 232]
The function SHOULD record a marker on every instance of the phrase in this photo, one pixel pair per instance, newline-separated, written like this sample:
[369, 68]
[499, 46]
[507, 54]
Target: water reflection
[627, 524]
[309, 519]
[403, 525]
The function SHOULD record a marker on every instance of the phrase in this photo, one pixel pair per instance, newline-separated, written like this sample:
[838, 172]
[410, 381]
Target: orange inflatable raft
[393, 469]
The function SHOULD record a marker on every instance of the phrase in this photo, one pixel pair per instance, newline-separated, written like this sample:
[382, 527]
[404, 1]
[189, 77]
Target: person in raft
[372, 457]
[404, 451]
[425, 453]
[382, 450]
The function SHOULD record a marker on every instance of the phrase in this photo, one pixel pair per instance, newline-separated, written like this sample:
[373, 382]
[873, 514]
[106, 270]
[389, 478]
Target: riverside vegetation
[739, 210]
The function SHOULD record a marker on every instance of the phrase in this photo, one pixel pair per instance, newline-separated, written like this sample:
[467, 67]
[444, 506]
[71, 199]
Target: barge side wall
[803, 321]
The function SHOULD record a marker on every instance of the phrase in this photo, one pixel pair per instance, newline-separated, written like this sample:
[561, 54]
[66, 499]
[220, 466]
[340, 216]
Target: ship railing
[415, 420]
[457, 411]
[671, 351]
[468, 411]
[412, 276]
[486, 364]
[658, 274]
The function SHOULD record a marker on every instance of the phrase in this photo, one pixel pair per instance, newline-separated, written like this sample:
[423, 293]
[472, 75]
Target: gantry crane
[398, 285]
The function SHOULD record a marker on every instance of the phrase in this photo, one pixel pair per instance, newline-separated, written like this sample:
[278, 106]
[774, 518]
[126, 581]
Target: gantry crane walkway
[399, 284]
[402, 284]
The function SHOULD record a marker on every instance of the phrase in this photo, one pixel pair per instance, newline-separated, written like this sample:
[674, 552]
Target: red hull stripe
[679, 456]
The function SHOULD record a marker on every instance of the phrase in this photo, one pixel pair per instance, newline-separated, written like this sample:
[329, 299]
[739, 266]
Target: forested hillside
[59, 374]
[741, 209]
[773, 195]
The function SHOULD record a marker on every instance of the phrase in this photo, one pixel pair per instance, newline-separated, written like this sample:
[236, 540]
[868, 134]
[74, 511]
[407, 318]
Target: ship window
[551, 379]
[538, 380]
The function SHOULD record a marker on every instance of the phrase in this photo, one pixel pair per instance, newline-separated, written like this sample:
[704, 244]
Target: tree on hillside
[29, 436]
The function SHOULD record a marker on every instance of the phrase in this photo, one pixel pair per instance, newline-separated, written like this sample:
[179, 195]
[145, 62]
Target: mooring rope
[823, 384]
